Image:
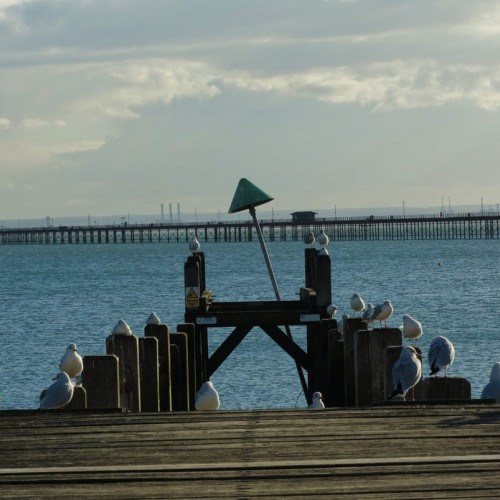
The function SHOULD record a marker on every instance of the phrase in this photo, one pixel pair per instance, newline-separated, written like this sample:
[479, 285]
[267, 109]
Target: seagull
[367, 316]
[412, 329]
[357, 303]
[492, 388]
[153, 319]
[382, 312]
[58, 394]
[317, 402]
[194, 244]
[322, 238]
[323, 251]
[331, 310]
[309, 239]
[441, 355]
[341, 323]
[406, 372]
[121, 328]
[207, 398]
[71, 362]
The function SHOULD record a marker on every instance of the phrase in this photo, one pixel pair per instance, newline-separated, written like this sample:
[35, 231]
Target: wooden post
[392, 354]
[447, 388]
[175, 379]
[380, 339]
[192, 283]
[180, 340]
[161, 333]
[336, 394]
[323, 364]
[363, 367]
[100, 377]
[79, 399]
[323, 280]
[351, 326]
[194, 365]
[126, 347]
[149, 369]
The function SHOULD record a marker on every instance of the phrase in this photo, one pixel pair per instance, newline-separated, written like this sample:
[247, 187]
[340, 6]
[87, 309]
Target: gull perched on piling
[309, 239]
[207, 398]
[317, 402]
[441, 355]
[357, 303]
[331, 310]
[367, 316]
[383, 312]
[194, 244]
[412, 329]
[153, 319]
[121, 328]
[406, 372]
[322, 238]
[71, 362]
[58, 394]
[492, 388]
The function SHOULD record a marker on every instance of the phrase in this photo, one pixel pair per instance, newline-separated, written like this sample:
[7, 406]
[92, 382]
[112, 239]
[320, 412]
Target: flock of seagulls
[60, 393]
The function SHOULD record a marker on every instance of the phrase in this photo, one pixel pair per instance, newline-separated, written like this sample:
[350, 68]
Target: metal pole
[278, 295]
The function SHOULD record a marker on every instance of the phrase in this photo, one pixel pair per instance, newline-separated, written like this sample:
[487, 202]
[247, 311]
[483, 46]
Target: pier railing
[479, 225]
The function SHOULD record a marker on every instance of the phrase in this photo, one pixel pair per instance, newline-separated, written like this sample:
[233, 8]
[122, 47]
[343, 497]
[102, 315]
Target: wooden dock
[402, 450]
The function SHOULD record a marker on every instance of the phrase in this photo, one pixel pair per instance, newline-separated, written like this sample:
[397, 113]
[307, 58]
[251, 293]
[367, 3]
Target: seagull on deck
[71, 362]
[441, 355]
[207, 398]
[194, 244]
[322, 238]
[492, 388]
[59, 393]
[317, 402]
[406, 372]
[382, 312]
[412, 329]
[309, 239]
[357, 303]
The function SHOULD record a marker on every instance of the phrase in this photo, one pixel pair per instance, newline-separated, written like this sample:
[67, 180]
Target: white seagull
[58, 394]
[71, 362]
[406, 372]
[194, 244]
[367, 316]
[207, 398]
[382, 312]
[412, 329]
[309, 239]
[331, 310]
[357, 303]
[121, 328]
[317, 402]
[441, 355]
[492, 388]
[153, 319]
[322, 238]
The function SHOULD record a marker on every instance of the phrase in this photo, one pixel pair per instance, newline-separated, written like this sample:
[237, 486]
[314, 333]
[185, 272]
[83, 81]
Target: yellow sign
[192, 297]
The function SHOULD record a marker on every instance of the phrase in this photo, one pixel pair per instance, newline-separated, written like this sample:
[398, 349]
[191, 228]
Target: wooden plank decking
[397, 451]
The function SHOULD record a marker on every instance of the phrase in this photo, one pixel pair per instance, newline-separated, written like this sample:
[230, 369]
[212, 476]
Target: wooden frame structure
[309, 311]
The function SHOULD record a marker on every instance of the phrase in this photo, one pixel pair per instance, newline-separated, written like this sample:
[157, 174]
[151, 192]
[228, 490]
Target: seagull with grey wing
[58, 394]
[357, 303]
[492, 388]
[406, 372]
[382, 312]
[207, 398]
[441, 355]
[194, 244]
[71, 362]
[317, 402]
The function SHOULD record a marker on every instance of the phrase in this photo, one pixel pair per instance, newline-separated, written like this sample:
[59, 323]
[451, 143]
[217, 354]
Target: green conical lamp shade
[247, 195]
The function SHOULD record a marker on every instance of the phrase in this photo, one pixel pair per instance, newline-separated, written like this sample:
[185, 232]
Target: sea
[53, 295]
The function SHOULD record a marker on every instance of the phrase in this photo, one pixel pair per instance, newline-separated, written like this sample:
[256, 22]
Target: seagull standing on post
[323, 239]
[194, 244]
[406, 372]
[412, 329]
[71, 362]
[357, 303]
[383, 312]
[309, 239]
[441, 355]
[58, 394]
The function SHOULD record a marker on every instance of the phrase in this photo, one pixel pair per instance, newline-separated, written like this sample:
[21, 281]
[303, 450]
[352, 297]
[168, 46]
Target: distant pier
[467, 226]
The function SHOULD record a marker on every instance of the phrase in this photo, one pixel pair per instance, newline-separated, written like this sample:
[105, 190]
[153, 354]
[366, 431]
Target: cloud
[5, 124]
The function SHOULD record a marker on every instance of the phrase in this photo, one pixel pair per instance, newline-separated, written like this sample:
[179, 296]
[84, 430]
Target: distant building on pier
[307, 217]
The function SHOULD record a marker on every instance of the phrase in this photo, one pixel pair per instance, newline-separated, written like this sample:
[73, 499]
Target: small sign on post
[192, 297]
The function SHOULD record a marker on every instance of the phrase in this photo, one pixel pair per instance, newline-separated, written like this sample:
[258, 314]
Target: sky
[117, 106]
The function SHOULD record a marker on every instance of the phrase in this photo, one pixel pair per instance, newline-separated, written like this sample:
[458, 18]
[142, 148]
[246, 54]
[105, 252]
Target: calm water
[53, 295]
